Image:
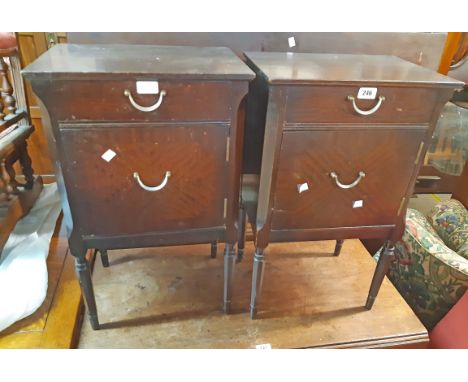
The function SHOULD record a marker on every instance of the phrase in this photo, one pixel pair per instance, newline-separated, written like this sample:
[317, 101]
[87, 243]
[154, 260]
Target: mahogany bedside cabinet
[344, 139]
[147, 146]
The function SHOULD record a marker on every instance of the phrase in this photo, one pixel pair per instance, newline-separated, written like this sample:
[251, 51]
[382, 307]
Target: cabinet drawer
[188, 163]
[106, 101]
[385, 157]
[330, 104]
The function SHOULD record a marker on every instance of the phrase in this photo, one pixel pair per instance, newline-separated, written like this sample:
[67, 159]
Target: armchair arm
[429, 275]
[450, 220]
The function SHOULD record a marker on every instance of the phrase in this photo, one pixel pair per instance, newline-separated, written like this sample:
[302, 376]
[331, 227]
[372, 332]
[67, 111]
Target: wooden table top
[167, 62]
[347, 68]
[171, 298]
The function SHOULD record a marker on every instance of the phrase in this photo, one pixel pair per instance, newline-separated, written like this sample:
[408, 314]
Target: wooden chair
[16, 198]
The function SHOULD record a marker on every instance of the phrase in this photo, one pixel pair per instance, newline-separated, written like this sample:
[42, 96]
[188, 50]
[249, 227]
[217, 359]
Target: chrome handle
[149, 188]
[145, 109]
[366, 112]
[362, 174]
[427, 178]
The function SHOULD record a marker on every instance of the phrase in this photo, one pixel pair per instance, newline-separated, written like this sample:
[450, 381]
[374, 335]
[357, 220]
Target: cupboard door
[343, 178]
[128, 180]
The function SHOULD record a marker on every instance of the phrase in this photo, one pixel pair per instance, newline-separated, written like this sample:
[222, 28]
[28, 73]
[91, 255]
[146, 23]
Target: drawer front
[107, 101]
[379, 162]
[107, 198]
[330, 104]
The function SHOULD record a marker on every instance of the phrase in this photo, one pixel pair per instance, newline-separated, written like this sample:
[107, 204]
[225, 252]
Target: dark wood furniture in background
[344, 140]
[140, 163]
[17, 196]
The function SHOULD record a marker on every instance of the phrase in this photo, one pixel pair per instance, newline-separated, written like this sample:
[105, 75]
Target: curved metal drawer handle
[366, 112]
[459, 63]
[149, 188]
[362, 174]
[145, 109]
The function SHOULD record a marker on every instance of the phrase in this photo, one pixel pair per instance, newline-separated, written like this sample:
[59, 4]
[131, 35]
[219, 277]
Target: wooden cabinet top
[347, 68]
[166, 62]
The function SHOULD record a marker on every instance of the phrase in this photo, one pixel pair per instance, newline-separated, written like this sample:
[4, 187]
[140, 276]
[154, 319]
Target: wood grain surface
[329, 104]
[163, 298]
[168, 62]
[105, 101]
[193, 197]
[421, 48]
[280, 67]
[310, 156]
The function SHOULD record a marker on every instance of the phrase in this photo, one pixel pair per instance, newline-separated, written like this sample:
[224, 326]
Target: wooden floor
[56, 323]
[171, 298]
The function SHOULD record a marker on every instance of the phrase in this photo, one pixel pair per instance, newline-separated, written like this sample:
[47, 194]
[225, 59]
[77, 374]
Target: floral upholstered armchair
[430, 269]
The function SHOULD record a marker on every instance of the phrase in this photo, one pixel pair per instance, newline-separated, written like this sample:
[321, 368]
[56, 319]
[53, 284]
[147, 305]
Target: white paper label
[302, 187]
[358, 204]
[367, 93]
[291, 42]
[108, 155]
[263, 346]
[147, 87]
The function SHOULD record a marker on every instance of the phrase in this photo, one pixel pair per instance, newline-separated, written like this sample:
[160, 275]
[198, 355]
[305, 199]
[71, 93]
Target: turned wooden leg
[339, 244]
[84, 275]
[380, 271]
[6, 89]
[26, 168]
[9, 167]
[214, 249]
[257, 280]
[241, 232]
[8, 188]
[229, 263]
[104, 258]
[2, 105]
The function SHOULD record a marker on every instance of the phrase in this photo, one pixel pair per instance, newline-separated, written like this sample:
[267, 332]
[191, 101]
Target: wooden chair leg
[381, 270]
[26, 167]
[2, 104]
[104, 258]
[84, 275]
[257, 281]
[229, 263]
[339, 244]
[6, 90]
[241, 232]
[214, 249]
[7, 186]
[9, 166]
